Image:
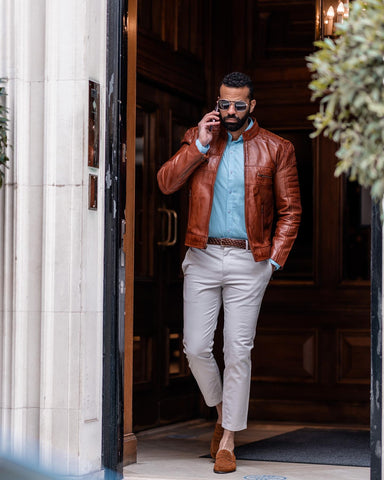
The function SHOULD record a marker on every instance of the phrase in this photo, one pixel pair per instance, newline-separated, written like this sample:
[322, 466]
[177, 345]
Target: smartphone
[216, 110]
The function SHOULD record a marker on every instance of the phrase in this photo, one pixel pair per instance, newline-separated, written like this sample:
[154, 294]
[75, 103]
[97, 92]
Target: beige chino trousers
[229, 276]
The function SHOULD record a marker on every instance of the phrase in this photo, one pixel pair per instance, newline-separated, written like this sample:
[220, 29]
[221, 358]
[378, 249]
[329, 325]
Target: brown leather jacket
[271, 183]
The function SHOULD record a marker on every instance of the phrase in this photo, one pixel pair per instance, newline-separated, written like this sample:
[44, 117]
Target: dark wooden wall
[311, 356]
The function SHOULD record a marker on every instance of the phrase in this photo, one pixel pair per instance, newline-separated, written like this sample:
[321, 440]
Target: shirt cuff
[201, 148]
[274, 263]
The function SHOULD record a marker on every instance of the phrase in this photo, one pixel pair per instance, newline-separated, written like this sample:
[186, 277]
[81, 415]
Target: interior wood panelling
[317, 410]
[288, 29]
[354, 356]
[179, 23]
[285, 355]
[142, 358]
[157, 62]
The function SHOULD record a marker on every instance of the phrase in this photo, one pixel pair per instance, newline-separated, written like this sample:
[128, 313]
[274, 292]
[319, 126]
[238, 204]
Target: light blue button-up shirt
[228, 213]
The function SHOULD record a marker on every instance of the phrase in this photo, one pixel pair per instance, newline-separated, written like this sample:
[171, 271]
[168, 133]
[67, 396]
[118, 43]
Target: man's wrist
[202, 149]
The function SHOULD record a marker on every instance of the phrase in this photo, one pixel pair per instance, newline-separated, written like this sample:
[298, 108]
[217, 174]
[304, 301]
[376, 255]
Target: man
[238, 175]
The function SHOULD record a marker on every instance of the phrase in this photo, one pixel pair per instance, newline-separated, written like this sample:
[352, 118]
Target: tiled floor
[174, 453]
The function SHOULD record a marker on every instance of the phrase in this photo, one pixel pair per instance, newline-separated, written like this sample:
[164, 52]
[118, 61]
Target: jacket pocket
[264, 176]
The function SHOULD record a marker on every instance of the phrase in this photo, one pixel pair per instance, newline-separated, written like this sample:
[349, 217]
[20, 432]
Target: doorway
[320, 367]
[315, 316]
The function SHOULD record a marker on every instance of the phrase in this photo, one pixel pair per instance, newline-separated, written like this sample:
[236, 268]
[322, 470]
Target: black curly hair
[238, 80]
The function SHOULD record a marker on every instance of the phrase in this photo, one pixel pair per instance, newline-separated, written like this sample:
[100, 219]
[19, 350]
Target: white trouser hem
[226, 426]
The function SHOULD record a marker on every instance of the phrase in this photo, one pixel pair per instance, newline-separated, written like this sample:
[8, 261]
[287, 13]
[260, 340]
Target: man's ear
[252, 105]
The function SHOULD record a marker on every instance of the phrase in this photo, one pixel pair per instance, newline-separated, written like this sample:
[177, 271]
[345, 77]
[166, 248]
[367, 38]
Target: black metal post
[113, 323]
[376, 342]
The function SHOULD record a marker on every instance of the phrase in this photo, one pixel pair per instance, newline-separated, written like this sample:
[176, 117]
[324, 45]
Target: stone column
[51, 245]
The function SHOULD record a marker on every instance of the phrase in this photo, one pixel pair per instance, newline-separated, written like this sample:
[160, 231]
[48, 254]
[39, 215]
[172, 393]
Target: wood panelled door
[164, 390]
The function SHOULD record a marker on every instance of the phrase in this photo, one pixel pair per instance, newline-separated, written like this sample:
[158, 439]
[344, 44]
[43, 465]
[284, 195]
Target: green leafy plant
[348, 78]
[3, 131]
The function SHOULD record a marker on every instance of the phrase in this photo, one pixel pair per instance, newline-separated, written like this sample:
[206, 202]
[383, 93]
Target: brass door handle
[174, 240]
[171, 215]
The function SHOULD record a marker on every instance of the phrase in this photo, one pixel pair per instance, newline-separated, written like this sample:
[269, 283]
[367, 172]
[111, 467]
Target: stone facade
[51, 245]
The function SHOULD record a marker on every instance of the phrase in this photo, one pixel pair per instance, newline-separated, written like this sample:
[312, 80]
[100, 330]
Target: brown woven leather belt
[229, 242]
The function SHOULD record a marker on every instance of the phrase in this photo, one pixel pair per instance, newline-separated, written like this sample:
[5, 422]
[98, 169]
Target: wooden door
[164, 390]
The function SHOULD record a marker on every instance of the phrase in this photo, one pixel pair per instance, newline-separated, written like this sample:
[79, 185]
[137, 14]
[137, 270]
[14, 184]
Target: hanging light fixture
[346, 9]
[331, 13]
[329, 21]
[340, 13]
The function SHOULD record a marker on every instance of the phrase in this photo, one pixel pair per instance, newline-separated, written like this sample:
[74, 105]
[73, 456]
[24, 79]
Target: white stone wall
[51, 245]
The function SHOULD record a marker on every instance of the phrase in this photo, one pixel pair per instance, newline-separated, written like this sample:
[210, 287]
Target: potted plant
[348, 78]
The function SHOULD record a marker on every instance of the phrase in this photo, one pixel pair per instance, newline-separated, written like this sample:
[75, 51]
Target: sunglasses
[240, 106]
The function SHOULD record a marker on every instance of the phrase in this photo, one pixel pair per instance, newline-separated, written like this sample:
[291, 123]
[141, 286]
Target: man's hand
[205, 124]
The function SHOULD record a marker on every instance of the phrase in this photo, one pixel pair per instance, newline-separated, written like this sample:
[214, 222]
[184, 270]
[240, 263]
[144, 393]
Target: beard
[234, 126]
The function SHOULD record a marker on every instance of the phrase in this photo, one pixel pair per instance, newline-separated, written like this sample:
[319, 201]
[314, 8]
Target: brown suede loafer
[225, 462]
[216, 437]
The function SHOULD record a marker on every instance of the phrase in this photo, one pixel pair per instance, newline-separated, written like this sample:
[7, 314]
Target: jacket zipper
[264, 176]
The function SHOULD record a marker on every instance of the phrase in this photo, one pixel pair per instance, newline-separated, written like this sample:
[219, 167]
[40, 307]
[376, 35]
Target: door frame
[119, 443]
[376, 342]
[129, 440]
[113, 356]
